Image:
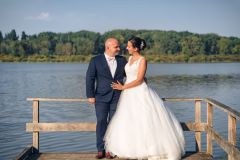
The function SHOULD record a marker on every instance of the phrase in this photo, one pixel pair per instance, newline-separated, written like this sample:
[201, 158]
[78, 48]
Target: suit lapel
[105, 66]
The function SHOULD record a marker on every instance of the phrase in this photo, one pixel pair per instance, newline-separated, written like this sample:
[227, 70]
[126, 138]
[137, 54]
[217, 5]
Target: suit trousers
[104, 113]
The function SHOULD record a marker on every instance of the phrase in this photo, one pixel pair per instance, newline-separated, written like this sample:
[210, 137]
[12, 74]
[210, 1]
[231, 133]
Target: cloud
[43, 16]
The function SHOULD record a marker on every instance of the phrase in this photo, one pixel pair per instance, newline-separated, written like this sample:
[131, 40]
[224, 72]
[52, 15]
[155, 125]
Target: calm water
[18, 81]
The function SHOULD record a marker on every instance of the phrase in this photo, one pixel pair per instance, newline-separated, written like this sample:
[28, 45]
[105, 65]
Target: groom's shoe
[100, 155]
[108, 155]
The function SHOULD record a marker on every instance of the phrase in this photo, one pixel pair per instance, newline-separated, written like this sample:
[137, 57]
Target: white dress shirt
[112, 64]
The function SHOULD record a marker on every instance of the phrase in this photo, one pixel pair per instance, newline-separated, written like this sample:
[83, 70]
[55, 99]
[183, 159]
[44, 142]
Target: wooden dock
[229, 146]
[91, 156]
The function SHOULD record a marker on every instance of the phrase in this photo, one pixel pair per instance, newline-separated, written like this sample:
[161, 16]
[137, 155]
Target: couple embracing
[132, 121]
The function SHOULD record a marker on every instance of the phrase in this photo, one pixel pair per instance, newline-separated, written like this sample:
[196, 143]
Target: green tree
[184, 46]
[58, 48]
[192, 45]
[210, 42]
[44, 47]
[67, 49]
[64, 48]
[3, 48]
[12, 36]
[1, 37]
[224, 45]
[236, 49]
[27, 47]
[24, 36]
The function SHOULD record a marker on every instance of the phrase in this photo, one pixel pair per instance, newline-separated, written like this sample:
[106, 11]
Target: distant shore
[161, 58]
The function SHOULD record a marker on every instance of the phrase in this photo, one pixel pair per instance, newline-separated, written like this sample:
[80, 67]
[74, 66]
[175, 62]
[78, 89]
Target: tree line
[85, 43]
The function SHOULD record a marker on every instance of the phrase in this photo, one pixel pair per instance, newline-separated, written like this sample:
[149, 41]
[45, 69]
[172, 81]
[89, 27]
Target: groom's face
[114, 48]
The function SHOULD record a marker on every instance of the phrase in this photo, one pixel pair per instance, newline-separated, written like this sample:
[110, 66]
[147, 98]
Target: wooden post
[198, 120]
[210, 124]
[231, 133]
[35, 121]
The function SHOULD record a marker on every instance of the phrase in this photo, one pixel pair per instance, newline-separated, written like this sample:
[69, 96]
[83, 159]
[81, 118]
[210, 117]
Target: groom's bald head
[110, 41]
[112, 46]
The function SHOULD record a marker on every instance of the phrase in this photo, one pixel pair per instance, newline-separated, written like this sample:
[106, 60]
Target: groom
[104, 69]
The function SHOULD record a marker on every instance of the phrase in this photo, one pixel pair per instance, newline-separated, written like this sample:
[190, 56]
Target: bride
[142, 127]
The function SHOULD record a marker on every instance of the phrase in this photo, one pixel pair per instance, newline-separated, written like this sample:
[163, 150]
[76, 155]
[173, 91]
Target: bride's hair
[138, 43]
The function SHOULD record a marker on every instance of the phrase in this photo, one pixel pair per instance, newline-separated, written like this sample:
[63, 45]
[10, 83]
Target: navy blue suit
[98, 85]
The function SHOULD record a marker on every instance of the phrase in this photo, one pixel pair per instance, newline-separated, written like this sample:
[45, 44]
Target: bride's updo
[138, 43]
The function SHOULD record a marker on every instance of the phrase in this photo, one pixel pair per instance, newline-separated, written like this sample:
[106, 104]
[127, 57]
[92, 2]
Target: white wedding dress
[142, 127]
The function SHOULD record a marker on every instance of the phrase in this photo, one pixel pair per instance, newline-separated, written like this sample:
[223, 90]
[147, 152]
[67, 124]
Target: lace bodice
[132, 69]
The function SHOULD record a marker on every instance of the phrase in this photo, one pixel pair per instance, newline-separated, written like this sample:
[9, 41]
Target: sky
[198, 16]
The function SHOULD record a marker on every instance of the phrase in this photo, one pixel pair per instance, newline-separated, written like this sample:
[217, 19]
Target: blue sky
[198, 16]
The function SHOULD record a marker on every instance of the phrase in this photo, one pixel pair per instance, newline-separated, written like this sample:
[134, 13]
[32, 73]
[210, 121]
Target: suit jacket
[99, 78]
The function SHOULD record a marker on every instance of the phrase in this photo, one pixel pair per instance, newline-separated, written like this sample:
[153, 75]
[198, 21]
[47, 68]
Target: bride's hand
[117, 86]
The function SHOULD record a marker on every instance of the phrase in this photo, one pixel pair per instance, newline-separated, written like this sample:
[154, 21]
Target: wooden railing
[229, 146]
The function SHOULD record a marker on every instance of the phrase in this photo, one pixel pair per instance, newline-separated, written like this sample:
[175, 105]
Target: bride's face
[130, 48]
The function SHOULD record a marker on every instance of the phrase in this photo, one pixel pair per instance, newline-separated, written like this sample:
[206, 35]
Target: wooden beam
[225, 145]
[210, 124]
[53, 127]
[223, 107]
[194, 127]
[198, 120]
[91, 127]
[181, 99]
[58, 99]
[215, 103]
[232, 129]
[231, 132]
[208, 100]
[35, 121]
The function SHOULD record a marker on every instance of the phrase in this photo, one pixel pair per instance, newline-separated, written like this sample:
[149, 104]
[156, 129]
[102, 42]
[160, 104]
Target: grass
[152, 58]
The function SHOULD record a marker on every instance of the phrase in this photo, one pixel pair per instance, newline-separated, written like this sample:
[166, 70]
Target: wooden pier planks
[91, 156]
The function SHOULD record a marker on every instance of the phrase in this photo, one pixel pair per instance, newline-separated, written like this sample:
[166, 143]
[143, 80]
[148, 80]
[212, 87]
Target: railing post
[231, 133]
[35, 121]
[210, 124]
[198, 120]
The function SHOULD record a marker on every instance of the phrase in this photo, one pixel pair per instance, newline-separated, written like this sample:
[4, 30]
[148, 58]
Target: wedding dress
[142, 127]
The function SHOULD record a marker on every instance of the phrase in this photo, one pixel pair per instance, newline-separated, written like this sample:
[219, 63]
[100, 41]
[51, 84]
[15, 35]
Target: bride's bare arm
[140, 77]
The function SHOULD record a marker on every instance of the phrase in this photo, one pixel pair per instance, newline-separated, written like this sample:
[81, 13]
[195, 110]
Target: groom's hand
[92, 100]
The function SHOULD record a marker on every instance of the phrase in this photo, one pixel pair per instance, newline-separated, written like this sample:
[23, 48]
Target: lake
[220, 81]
